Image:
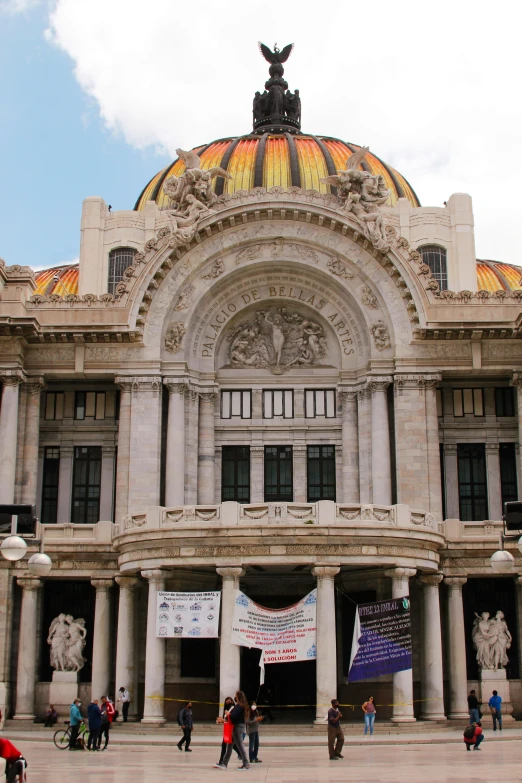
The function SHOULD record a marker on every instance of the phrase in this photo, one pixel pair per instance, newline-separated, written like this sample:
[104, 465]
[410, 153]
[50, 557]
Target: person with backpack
[473, 736]
[185, 722]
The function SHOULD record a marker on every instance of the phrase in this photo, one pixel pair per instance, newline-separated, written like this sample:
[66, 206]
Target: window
[236, 404]
[51, 469]
[278, 473]
[435, 257]
[94, 405]
[86, 485]
[321, 473]
[468, 402]
[508, 473]
[504, 401]
[119, 260]
[320, 402]
[472, 481]
[54, 406]
[235, 473]
[278, 402]
[198, 658]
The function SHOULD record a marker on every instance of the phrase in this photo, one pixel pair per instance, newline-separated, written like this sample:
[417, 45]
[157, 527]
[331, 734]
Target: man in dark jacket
[335, 732]
[185, 721]
[95, 720]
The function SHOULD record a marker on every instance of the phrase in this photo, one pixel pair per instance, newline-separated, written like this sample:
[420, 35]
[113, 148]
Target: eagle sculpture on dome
[195, 182]
[277, 56]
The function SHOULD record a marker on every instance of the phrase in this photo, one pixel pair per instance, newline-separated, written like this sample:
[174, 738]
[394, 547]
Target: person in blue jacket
[495, 706]
[95, 721]
[75, 718]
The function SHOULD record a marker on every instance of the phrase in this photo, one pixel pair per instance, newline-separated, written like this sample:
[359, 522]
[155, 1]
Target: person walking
[227, 733]
[107, 716]
[473, 707]
[125, 703]
[252, 726]
[15, 763]
[51, 716]
[94, 718]
[369, 716]
[473, 736]
[495, 707]
[239, 714]
[186, 723]
[335, 732]
[75, 718]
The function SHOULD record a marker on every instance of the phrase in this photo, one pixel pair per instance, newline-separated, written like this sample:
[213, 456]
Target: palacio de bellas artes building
[277, 372]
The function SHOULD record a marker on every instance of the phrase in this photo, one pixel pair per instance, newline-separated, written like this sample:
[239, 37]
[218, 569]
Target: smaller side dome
[61, 280]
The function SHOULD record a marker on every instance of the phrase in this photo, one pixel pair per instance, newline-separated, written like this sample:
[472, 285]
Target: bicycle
[62, 736]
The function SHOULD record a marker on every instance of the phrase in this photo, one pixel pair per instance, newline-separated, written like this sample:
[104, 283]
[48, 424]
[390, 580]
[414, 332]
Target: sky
[96, 95]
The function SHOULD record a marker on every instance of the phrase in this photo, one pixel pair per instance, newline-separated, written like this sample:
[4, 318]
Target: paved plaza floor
[403, 763]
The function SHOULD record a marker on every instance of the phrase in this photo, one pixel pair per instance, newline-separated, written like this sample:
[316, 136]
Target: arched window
[435, 257]
[119, 260]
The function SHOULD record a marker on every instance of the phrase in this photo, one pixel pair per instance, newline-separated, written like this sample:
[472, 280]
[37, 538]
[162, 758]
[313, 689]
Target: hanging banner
[381, 639]
[284, 635]
[187, 615]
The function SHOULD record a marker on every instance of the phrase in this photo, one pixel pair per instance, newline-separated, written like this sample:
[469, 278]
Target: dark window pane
[51, 469]
[508, 473]
[119, 260]
[79, 407]
[472, 481]
[321, 473]
[86, 485]
[235, 473]
[278, 473]
[504, 401]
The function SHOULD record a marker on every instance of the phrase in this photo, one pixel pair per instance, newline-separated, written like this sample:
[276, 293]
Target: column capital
[29, 583]
[209, 397]
[12, 377]
[400, 573]
[347, 395]
[455, 582]
[155, 575]
[231, 572]
[450, 449]
[325, 571]
[418, 381]
[102, 585]
[516, 380]
[123, 383]
[34, 386]
[176, 386]
[379, 383]
[127, 582]
[430, 580]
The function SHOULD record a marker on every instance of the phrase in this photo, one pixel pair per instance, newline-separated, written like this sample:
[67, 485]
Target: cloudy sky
[97, 94]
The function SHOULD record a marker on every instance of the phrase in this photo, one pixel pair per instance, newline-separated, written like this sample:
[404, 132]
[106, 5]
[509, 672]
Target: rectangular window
[79, 405]
[51, 470]
[235, 473]
[473, 494]
[236, 404]
[54, 406]
[504, 401]
[278, 402]
[86, 485]
[93, 405]
[508, 473]
[321, 473]
[278, 473]
[468, 402]
[320, 402]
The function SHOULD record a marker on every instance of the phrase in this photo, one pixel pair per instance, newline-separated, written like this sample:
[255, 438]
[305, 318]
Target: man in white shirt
[125, 703]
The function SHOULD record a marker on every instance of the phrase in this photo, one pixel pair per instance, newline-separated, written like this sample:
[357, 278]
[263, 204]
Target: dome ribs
[259, 164]
[294, 162]
[220, 182]
[330, 165]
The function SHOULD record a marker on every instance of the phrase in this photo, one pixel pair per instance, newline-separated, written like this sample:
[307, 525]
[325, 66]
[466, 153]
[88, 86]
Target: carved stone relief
[217, 269]
[339, 268]
[67, 640]
[368, 299]
[185, 299]
[381, 338]
[174, 336]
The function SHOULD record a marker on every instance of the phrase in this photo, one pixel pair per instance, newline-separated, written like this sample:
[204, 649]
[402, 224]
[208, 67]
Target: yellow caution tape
[291, 706]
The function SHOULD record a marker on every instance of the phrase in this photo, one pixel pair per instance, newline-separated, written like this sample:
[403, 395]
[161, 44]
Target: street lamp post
[14, 547]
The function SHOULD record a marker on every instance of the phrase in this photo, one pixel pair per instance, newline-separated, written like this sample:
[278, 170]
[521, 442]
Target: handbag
[492, 709]
[227, 732]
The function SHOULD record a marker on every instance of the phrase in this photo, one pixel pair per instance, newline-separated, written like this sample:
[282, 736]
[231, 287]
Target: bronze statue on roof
[277, 107]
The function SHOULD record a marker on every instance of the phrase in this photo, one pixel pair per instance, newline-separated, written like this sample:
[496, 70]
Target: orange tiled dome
[61, 280]
[278, 159]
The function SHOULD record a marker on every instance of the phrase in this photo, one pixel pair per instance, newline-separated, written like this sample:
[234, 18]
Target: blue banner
[381, 639]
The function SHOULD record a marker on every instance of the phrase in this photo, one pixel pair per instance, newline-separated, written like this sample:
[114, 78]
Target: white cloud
[432, 88]
[17, 6]
[41, 267]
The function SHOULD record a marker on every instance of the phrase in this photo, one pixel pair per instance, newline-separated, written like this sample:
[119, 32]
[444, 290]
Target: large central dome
[282, 159]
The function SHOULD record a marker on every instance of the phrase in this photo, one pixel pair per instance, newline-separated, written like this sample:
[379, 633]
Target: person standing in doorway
[495, 706]
[369, 716]
[75, 718]
[94, 717]
[252, 725]
[227, 707]
[238, 716]
[473, 707]
[125, 703]
[185, 721]
[335, 732]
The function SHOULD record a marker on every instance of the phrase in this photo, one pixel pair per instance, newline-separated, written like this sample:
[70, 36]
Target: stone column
[402, 681]
[27, 655]
[350, 441]
[365, 444]
[381, 455]
[257, 474]
[326, 672]
[451, 475]
[175, 459]
[432, 674]
[517, 383]
[107, 483]
[126, 670]
[101, 641]
[191, 446]
[63, 515]
[229, 654]
[123, 458]
[8, 434]
[153, 711]
[300, 473]
[31, 437]
[206, 448]
[494, 483]
[432, 432]
[456, 649]
[145, 443]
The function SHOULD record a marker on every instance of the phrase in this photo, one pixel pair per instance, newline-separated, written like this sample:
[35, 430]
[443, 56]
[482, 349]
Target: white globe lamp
[40, 564]
[13, 548]
[502, 562]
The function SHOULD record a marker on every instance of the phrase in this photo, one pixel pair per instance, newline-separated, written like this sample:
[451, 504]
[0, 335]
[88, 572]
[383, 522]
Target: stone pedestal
[63, 691]
[490, 681]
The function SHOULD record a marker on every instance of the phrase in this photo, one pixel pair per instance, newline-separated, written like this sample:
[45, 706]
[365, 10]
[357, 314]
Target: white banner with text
[188, 615]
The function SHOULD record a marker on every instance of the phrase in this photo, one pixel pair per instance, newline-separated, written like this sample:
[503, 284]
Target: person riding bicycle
[15, 764]
[75, 720]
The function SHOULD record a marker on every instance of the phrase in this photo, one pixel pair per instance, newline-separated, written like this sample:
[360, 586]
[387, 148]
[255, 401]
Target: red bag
[227, 731]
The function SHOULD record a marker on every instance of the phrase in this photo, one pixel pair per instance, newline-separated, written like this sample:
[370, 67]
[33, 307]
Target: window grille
[119, 260]
[435, 257]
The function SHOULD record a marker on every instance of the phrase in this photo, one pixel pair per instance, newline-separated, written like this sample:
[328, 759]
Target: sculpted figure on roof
[195, 182]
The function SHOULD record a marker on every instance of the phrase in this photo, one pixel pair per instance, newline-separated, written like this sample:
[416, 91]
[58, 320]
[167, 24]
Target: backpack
[469, 732]
[181, 717]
